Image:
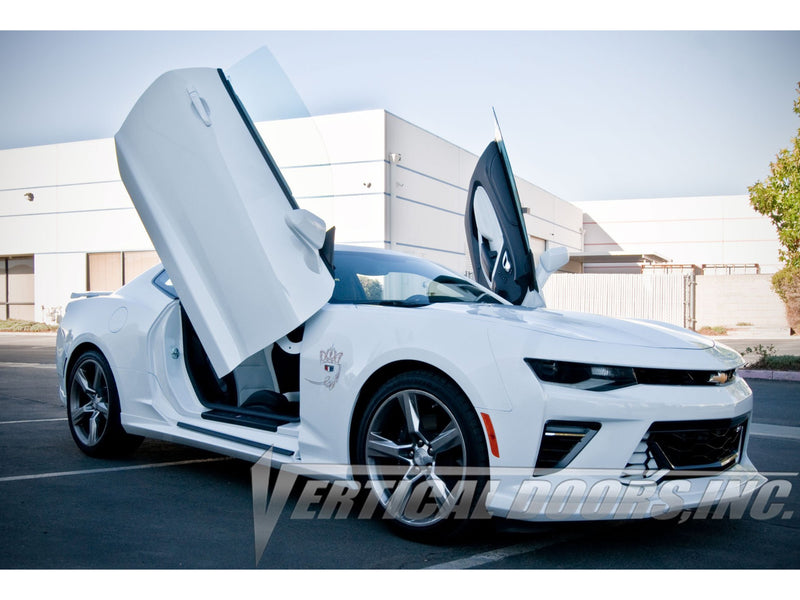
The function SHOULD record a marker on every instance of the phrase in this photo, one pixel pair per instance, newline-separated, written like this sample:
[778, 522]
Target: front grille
[562, 441]
[680, 377]
[697, 445]
[688, 448]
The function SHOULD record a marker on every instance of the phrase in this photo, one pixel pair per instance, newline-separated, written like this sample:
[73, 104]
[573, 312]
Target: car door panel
[497, 239]
[240, 253]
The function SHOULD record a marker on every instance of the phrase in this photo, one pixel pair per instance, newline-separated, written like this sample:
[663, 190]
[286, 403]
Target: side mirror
[310, 230]
[550, 262]
[307, 226]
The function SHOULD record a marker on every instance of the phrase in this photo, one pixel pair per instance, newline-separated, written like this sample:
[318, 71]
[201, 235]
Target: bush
[777, 363]
[782, 363]
[15, 325]
[769, 361]
[715, 330]
[786, 284]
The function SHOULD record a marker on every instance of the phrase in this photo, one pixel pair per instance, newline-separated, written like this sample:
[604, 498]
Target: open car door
[248, 264]
[496, 236]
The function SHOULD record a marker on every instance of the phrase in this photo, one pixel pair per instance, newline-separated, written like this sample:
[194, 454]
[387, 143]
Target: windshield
[390, 279]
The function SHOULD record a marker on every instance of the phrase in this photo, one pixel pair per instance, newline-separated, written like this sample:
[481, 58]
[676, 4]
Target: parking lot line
[21, 365]
[777, 431]
[485, 558]
[112, 469]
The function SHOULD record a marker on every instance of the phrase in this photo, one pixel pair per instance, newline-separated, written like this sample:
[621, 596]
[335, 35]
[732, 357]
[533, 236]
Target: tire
[422, 451]
[93, 408]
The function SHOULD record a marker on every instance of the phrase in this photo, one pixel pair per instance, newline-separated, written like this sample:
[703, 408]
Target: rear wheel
[93, 408]
[424, 454]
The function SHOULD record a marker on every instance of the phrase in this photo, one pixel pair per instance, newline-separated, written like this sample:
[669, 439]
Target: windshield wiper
[407, 303]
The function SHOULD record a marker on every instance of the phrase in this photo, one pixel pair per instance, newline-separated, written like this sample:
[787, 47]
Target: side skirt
[235, 439]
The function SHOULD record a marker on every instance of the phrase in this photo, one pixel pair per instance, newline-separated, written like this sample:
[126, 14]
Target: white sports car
[377, 359]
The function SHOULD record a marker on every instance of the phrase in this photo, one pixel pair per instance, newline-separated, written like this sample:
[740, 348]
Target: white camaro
[263, 337]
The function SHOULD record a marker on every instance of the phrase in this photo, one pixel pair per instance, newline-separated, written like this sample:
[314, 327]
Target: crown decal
[331, 362]
[330, 356]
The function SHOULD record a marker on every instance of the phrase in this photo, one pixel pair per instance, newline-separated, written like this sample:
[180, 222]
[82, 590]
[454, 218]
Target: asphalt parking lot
[167, 506]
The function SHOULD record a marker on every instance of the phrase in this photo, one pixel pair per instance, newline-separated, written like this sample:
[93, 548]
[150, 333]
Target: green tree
[778, 197]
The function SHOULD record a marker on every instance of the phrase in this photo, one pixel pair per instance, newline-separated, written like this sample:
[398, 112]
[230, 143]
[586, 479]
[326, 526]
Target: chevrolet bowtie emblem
[718, 378]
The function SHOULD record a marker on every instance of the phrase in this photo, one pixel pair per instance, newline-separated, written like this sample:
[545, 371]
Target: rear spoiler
[75, 295]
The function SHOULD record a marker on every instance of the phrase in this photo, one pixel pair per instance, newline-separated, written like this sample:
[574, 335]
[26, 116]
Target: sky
[586, 115]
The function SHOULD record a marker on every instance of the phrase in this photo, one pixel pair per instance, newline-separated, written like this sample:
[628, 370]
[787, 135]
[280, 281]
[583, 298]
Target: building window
[136, 263]
[16, 288]
[109, 271]
[104, 271]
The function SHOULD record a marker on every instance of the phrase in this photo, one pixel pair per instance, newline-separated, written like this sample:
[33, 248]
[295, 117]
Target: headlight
[598, 378]
[601, 378]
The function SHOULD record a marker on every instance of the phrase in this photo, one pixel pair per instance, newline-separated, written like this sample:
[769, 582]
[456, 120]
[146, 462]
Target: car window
[400, 280]
[164, 283]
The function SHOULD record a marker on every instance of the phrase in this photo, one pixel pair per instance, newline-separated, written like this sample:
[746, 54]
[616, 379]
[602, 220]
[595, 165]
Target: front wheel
[424, 454]
[93, 408]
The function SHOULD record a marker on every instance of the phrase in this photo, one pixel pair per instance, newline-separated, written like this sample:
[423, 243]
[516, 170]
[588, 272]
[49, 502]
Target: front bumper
[593, 495]
[614, 474]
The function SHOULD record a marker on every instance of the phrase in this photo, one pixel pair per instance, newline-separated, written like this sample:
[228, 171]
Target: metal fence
[661, 297]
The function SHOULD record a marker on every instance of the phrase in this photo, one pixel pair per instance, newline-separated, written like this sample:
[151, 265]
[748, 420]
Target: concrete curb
[774, 375]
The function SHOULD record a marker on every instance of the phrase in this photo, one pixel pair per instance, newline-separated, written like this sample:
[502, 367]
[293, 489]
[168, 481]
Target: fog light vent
[562, 441]
[642, 464]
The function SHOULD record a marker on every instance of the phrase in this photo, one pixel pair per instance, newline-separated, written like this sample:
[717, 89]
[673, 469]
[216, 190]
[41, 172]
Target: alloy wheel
[89, 401]
[416, 455]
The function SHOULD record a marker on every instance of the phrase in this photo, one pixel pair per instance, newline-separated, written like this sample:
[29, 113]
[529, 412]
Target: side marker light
[487, 423]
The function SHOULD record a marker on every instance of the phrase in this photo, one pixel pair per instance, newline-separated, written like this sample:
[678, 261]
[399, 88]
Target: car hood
[582, 337]
[598, 328]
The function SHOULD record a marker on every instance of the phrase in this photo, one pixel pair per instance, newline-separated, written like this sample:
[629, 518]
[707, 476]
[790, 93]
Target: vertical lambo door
[496, 236]
[248, 265]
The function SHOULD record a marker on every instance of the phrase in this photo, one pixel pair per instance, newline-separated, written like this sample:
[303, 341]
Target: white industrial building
[67, 224]
[708, 234]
